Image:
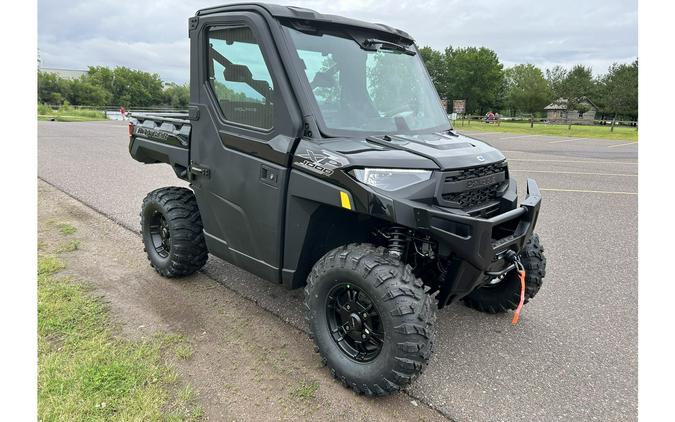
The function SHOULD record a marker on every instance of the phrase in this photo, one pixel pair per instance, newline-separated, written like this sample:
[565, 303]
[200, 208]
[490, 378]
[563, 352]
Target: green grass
[66, 228]
[70, 246]
[621, 133]
[67, 113]
[306, 390]
[184, 351]
[187, 394]
[86, 372]
[48, 265]
[190, 409]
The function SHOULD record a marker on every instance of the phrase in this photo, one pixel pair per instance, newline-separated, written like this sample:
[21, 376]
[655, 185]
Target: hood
[442, 151]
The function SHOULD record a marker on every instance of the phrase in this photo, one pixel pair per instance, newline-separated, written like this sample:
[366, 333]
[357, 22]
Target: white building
[65, 73]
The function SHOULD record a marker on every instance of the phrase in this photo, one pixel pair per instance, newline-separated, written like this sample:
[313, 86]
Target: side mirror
[240, 73]
[237, 73]
[263, 87]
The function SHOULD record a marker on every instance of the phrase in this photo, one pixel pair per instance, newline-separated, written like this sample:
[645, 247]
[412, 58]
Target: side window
[239, 77]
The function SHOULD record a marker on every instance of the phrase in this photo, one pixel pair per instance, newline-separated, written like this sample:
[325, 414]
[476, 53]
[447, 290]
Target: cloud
[152, 35]
[170, 59]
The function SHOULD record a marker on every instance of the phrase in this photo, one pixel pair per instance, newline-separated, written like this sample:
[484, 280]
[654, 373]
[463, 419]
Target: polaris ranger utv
[319, 156]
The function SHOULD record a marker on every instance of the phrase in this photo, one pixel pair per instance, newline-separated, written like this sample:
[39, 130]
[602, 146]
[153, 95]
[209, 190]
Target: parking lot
[574, 353]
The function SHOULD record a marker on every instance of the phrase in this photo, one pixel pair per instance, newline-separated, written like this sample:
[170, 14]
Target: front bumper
[474, 245]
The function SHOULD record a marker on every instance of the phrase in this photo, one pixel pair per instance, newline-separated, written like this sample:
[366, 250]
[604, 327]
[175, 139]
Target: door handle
[199, 170]
[268, 175]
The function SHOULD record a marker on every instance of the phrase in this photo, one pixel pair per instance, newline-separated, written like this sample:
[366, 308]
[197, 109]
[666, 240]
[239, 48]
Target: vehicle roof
[301, 13]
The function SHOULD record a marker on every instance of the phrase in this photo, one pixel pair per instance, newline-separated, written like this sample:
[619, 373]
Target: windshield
[382, 89]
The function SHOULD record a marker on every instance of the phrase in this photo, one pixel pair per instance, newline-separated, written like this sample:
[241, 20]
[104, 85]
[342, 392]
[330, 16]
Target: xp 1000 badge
[322, 162]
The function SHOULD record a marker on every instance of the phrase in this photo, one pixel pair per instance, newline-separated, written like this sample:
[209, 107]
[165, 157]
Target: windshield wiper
[389, 45]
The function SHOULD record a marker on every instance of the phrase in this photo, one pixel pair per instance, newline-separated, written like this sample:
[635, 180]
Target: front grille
[474, 190]
[475, 172]
[473, 198]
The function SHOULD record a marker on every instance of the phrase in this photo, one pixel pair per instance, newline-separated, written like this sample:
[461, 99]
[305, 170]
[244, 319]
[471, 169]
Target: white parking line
[589, 191]
[518, 137]
[622, 144]
[566, 140]
[575, 172]
[478, 133]
[569, 161]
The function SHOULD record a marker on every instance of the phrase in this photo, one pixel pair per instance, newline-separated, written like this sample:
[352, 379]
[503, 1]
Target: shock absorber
[398, 238]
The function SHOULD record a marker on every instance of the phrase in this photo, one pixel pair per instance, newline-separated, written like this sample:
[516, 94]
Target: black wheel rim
[160, 234]
[354, 322]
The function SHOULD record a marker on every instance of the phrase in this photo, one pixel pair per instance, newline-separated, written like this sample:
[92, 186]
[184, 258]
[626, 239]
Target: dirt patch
[242, 362]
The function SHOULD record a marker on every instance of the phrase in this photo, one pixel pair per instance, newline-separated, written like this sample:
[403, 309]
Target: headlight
[391, 179]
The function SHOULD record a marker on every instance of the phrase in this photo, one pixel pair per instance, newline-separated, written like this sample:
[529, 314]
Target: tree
[556, 77]
[129, 87]
[435, 63]
[578, 86]
[52, 89]
[104, 86]
[85, 92]
[619, 90]
[225, 93]
[476, 75]
[579, 81]
[177, 96]
[527, 89]
[103, 77]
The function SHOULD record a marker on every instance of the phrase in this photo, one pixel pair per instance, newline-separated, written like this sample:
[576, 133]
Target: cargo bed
[161, 138]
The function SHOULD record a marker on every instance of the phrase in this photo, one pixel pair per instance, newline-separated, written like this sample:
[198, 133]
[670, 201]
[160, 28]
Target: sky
[152, 35]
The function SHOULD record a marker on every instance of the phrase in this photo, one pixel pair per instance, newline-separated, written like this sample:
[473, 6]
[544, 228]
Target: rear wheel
[370, 318]
[503, 295]
[172, 232]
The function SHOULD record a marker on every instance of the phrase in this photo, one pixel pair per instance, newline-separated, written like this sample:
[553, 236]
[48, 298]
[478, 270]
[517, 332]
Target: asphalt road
[574, 353]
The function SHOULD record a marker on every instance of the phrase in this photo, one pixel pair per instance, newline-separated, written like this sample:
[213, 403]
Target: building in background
[65, 73]
[557, 112]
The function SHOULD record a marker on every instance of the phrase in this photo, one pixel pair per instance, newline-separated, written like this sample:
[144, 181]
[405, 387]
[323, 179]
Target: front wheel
[370, 318]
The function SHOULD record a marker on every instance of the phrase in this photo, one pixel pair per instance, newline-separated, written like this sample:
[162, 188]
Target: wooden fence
[468, 119]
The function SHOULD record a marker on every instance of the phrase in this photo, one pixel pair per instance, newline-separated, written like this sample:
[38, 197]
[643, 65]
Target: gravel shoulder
[243, 362]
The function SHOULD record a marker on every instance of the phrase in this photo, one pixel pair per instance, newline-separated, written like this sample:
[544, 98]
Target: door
[245, 123]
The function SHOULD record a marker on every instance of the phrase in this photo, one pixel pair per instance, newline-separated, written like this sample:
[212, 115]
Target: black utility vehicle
[319, 156]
